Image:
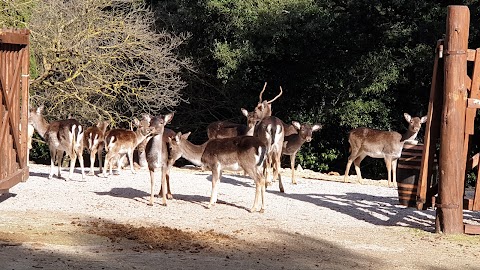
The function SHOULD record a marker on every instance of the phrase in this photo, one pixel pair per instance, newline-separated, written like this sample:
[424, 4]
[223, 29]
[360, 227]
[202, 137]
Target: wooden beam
[471, 229]
[449, 214]
[13, 38]
[472, 162]
[432, 127]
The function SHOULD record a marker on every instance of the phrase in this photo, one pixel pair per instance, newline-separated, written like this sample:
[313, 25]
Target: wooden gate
[14, 73]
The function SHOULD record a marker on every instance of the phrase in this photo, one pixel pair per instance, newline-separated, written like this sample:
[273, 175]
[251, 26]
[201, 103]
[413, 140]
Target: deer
[294, 142]
[156, 151]
[227, 129]
[62, 136]
[381, 144]
[270, 130]
[94, 142]
[241, 152]
[30, 132]
[121, 142]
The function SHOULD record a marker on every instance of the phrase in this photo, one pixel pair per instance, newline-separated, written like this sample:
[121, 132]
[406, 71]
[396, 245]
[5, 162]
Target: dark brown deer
[62, 136]
[241, 152]
[121, 142]
[157, 155]
[294, 142]
[381, 144]
[95, 143]
[227, 129]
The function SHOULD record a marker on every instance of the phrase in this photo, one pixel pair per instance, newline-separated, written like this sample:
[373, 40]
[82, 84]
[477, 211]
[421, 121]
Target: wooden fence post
[449, 215]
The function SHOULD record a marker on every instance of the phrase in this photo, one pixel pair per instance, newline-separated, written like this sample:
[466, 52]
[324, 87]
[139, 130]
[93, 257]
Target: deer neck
[140, 137]
[293, 143]
[41, 125]
[409, 135]
[192, 152]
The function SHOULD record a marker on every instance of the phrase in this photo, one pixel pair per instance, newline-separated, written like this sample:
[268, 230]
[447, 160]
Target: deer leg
[59, 158]
[108, 158]
[276, 170]
[394, 172]
[80, 160]
[356, 163]
[347, 169]
[152, 183]
[99, 154]
[388, 163]
[351, 158]
[53, 157]
[164, 185]
[292, 167]
[92, 161]
[119, 163]
[73, 160]
[216, 174]
[258, 193]
[130, 159]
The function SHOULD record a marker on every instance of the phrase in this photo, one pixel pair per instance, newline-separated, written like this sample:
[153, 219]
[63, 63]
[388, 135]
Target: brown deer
[293, 142]
[62, 136]
[381, 144]
[245, 152]
[94, 142]
[121, 142]
[226, 129]
[270, 130]
[157, 155]
[30, 132]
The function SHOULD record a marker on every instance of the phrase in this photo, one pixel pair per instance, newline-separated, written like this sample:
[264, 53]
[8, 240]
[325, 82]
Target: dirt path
[99, 223]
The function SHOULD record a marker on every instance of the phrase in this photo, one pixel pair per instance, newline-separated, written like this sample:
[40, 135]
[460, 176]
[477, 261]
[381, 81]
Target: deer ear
[296, 124]
[185, 136]
[424, 119]
[168, 118]
[244, 112]
[316, 127]
[177, 136]
[40, 109]
[407, 117]
[146, 117]
[136, 122]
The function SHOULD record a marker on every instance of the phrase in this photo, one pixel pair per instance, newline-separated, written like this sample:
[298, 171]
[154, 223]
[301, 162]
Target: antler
[281, 91]
[260, 97]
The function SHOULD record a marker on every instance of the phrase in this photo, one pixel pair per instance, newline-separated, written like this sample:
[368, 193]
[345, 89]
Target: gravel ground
[320, 223]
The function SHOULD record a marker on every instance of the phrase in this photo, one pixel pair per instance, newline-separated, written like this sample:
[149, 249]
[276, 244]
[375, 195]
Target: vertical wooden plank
[25, 103]
[432, 127]
[449, 214]
[470, 118]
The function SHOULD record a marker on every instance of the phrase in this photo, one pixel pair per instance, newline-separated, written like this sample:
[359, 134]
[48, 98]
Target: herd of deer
[256, 147]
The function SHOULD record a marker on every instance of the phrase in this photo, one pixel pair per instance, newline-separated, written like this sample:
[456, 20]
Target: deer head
[264, 107]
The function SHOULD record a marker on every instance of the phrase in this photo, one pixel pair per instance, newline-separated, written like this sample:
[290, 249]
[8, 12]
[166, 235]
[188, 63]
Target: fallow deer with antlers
[270, 130]
[95, 143]
[381, 144]
[62, 136]
[294, 142]
[241, 152]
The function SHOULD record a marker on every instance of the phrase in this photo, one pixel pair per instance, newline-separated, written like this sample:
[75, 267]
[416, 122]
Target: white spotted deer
[121, 142]
[157, 155]
[381, 144]
[62, 136]
[294, 142]
[95, 143]
[241, 152]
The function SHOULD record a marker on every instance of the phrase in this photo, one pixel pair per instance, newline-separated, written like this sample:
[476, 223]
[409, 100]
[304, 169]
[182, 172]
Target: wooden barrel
[408, 171]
